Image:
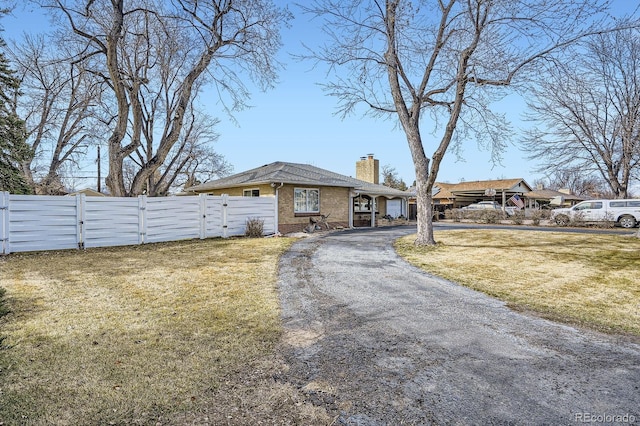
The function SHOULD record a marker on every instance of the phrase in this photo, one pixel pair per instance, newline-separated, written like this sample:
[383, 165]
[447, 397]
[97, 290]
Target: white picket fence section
[36, 222]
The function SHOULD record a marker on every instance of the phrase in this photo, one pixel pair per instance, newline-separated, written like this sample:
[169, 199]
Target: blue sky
[296, 122]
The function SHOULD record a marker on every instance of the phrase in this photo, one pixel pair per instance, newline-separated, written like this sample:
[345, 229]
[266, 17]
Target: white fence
[36, 222]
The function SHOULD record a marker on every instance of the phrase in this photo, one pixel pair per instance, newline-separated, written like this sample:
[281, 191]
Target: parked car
[489, 205]
[625, 213]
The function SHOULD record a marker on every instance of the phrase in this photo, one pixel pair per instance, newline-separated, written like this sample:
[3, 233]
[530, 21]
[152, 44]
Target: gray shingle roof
[296, 174]
[540, 194]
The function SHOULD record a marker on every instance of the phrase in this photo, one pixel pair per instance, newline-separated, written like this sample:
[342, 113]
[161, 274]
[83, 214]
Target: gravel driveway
[375, 341]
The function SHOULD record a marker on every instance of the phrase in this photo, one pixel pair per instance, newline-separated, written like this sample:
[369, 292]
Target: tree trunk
[424, 199]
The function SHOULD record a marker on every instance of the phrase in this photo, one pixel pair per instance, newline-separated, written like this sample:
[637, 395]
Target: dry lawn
[157, 334]
[583, 279]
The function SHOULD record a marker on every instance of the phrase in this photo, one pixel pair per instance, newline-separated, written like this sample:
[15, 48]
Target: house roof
[88, 192]
[477, 188]
[296, 174]
[481, 185]
[547, 194]
[444, 190]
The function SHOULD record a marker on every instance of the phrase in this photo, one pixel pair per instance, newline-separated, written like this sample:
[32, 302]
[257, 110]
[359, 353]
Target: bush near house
[255, 228]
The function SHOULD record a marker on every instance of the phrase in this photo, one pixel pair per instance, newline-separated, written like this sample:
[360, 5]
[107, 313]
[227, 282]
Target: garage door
[394, 208]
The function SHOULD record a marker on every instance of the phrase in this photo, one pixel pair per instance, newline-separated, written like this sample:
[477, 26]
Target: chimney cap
[370, 155]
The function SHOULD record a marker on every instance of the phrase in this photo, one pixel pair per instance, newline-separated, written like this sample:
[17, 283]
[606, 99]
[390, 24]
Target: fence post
[203, 216]
[142, 219]
[225, 202]
[80, 218]
[4, 222]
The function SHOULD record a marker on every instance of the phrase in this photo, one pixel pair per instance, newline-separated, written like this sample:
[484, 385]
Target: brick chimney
[368, 169]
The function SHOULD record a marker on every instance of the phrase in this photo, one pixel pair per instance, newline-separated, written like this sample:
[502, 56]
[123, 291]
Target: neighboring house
[305, 192]
[457, 195]
[549, 198]
[88, 192]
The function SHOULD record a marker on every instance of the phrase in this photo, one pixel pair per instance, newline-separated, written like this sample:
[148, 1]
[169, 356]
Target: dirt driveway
[375, 341]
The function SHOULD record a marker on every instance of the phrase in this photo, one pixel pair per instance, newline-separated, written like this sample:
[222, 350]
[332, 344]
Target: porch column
[374, 202]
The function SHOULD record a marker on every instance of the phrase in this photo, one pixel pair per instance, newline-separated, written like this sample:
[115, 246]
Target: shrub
[607, 222]
[491, 216]
[577, 220]
[454, 214]
[254, 227]
[475, 215]
[537, 216]
[517, 218]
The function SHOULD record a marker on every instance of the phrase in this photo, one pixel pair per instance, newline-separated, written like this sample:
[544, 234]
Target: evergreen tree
[13, 145]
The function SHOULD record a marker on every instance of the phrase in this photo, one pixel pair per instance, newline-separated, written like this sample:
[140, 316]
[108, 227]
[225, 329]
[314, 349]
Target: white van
[625, 213]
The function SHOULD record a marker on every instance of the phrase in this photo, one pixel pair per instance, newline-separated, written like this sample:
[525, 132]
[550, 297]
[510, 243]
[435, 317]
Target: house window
[306, 200]
[251, 193]
[363, 203]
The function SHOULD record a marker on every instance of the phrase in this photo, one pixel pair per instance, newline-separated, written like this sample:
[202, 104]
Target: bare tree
[578, 183]
[154, 54]
[390, 178]
[192, 159]
[59, 105]
[589, 111]
[449, 58]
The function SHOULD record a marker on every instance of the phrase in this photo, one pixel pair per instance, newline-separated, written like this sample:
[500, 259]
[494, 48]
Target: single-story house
[305, 192]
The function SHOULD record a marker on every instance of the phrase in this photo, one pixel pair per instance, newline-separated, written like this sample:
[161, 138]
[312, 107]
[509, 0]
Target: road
[375, 341]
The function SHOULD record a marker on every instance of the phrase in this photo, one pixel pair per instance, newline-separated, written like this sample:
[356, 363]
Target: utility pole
[98, 169]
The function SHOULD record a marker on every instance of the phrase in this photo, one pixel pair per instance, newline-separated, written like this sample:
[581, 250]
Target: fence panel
[112, 221]
[172, 219]
[242, 208]
[35, 222]
[42, 223]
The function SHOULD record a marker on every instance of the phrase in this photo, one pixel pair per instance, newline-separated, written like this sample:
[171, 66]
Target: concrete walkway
[376, 341]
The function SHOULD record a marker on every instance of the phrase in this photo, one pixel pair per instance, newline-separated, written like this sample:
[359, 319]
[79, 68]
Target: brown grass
[133, 335]
[584, 279]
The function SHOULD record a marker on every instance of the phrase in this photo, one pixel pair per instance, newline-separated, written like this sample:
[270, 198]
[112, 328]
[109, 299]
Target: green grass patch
[131, 335]
[589, 280]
